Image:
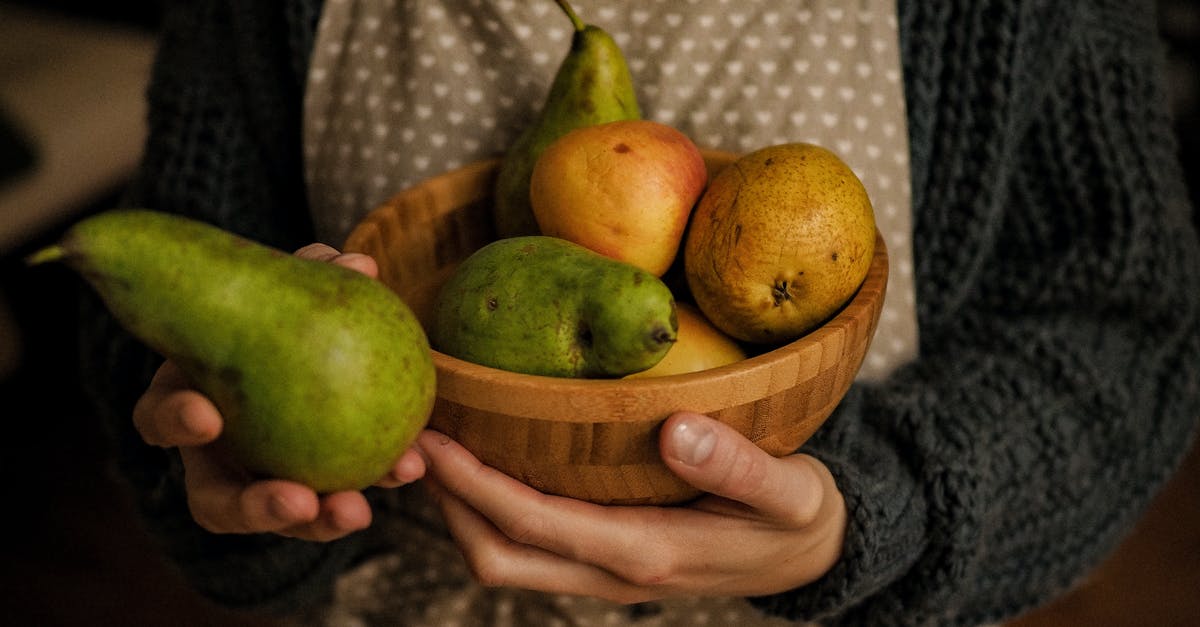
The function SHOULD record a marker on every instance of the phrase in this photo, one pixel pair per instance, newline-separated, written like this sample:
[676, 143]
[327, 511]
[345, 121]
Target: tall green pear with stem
[592, 86]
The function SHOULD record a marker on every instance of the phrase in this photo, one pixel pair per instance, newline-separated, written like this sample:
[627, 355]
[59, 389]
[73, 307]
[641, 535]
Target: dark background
[73, 553]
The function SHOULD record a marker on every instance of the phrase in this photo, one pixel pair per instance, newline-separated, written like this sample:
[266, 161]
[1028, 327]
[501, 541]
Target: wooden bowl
[590, 439]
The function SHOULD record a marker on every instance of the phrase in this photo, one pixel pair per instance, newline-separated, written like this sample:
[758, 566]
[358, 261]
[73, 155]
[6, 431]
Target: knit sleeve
[224, 147]
[1059, 379]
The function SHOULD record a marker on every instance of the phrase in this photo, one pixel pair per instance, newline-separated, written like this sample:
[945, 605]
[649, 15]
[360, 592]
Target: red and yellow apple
[623, 189]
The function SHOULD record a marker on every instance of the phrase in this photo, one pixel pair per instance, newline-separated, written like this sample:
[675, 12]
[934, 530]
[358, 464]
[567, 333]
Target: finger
[358, 262]
[654, 548]
[171, 413]
[355, 261]
[495, 560]
[715, 458]
[222, 501]
[614, 538]
[407, 469]
[317, 252]
[341, 513]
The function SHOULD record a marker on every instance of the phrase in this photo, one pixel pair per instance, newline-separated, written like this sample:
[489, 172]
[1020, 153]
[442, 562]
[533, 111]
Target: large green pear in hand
[592, 86]
[322, 374]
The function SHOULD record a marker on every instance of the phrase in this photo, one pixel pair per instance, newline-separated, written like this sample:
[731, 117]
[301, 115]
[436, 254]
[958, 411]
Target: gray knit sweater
[1058, 287]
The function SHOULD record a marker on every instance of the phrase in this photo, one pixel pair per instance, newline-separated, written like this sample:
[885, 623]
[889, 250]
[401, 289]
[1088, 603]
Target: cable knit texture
[1057, 279]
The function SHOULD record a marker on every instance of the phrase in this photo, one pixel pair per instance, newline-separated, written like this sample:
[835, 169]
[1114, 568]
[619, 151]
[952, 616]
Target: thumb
[715, 458]
[355, 261]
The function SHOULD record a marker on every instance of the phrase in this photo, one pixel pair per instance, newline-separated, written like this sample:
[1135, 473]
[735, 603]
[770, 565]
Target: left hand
[221, 496]
[767, 525]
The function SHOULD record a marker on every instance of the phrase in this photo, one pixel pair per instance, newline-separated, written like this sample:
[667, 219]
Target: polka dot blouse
[399, 91]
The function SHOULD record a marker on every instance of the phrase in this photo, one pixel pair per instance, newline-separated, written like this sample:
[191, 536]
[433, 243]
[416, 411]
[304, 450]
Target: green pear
[322, 374]
[592, 86]
[542, 305]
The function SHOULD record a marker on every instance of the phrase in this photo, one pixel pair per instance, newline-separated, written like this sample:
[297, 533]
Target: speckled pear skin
[780, 240]
[592, 86]
[322, 374]
[546, 306]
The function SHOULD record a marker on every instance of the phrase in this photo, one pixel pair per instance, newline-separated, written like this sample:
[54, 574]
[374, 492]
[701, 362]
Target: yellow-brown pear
[780, 240]
[698, 346]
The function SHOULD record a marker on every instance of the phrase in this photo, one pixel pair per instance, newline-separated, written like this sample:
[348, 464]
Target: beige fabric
[402, 90]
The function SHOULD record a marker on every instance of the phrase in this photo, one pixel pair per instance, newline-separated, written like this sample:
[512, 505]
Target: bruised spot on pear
[585, 334]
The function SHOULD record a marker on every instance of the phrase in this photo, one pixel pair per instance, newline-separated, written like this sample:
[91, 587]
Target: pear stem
[50, 253]
[579, 25]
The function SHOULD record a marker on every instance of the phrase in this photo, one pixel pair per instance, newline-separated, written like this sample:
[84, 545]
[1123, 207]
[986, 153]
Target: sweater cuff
[268, 573]
[258, 572]
[886, 524]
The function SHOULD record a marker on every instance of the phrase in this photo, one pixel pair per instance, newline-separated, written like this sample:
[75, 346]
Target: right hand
[223, 498]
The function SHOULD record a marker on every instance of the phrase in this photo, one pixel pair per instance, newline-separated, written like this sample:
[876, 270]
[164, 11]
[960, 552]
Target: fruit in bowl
[597, 439]
[698, 346]
[592, 86]
[779, 242]
[544, 305]
[623, 189]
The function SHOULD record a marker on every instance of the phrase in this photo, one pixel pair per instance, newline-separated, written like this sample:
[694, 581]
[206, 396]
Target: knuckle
[204, 517]
[487, 568]
[144, 422]
[161, 418]
[526, 528]
[804, 513]
[746, 474]
[650, 575]
[652, 569]
[806, 507]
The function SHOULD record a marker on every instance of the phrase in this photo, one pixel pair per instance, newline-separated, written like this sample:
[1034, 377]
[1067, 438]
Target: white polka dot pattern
[400, 91]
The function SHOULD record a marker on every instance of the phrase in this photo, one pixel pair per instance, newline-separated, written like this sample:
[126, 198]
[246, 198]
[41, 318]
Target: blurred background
[72, 75]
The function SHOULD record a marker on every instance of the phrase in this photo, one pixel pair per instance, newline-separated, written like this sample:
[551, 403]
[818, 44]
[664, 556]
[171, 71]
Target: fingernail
[693, 442]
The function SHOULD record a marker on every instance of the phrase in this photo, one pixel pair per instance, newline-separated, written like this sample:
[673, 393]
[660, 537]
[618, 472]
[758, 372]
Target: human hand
[767, 524]
[223, 497]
